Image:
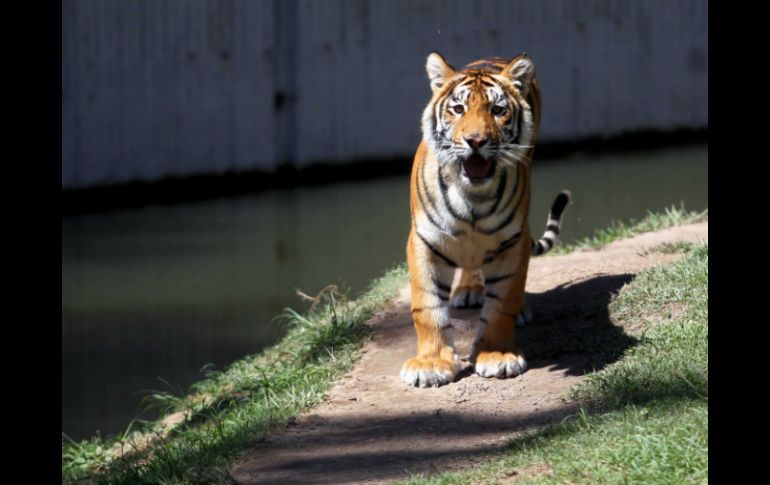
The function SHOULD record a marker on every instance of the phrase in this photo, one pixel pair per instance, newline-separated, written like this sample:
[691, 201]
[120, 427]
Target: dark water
[150, 296]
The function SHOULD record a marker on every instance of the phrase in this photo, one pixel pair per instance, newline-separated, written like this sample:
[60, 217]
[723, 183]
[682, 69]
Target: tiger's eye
[498, 110]
[458, 108]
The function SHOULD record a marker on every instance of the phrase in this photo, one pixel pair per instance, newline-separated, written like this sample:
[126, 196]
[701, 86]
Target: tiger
[469, 205]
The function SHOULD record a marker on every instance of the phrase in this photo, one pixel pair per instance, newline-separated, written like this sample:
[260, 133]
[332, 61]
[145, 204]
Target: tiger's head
[479, 120]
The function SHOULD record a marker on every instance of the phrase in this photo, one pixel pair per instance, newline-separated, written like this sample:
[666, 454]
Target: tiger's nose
[475, 141]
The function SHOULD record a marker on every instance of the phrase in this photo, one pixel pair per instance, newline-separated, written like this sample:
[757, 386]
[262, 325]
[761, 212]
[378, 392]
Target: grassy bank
[653, 221]
[201, 433]
[230, 410]
[644, 419]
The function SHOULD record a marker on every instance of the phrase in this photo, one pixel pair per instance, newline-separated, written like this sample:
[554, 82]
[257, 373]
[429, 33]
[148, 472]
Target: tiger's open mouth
[478, 168]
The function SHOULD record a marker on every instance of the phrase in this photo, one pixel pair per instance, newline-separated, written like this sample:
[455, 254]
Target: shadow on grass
[575, 318]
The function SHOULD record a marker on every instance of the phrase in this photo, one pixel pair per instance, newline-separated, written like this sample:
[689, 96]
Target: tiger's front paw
[468, 296]
[435, 372]
[500, 364]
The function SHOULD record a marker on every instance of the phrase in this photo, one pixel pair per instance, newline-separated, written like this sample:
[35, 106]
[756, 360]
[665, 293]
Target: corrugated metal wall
[175, 87]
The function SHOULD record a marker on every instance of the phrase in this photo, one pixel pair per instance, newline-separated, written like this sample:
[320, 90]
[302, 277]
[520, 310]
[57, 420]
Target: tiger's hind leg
[495, 353]
[468, 292]
[468, 289]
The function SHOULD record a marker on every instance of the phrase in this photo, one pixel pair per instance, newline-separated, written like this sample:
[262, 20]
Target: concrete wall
[156, 88]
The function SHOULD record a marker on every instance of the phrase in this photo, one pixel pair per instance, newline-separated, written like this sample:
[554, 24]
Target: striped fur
[553, 226]
[469, 199]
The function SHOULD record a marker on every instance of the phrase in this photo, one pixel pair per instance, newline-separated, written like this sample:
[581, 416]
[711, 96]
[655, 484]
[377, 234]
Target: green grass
[665, 443]
[644, 418]
[230, 410]
[669, 306]
[671, 216]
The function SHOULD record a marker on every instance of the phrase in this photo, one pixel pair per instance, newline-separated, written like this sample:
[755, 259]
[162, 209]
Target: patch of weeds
[229, 410]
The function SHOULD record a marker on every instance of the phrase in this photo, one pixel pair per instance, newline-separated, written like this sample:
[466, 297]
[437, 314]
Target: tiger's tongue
[476, 166]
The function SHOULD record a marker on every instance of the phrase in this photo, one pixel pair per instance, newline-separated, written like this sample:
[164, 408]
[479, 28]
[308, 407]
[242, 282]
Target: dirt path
[372, 428]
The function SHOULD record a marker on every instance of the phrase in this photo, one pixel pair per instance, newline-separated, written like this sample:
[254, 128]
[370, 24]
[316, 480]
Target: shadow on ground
[572, 334]
[571, 319]
[346, 455]
[575, 318]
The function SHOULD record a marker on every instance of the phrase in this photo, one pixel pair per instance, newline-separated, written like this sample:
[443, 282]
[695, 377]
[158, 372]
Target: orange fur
[443, 238]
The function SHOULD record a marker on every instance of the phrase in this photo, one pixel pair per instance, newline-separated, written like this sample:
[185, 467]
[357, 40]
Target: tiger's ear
[521, 70]
[438, 71]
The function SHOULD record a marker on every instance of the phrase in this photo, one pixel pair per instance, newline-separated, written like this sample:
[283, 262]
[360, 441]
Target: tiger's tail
[552, 229]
